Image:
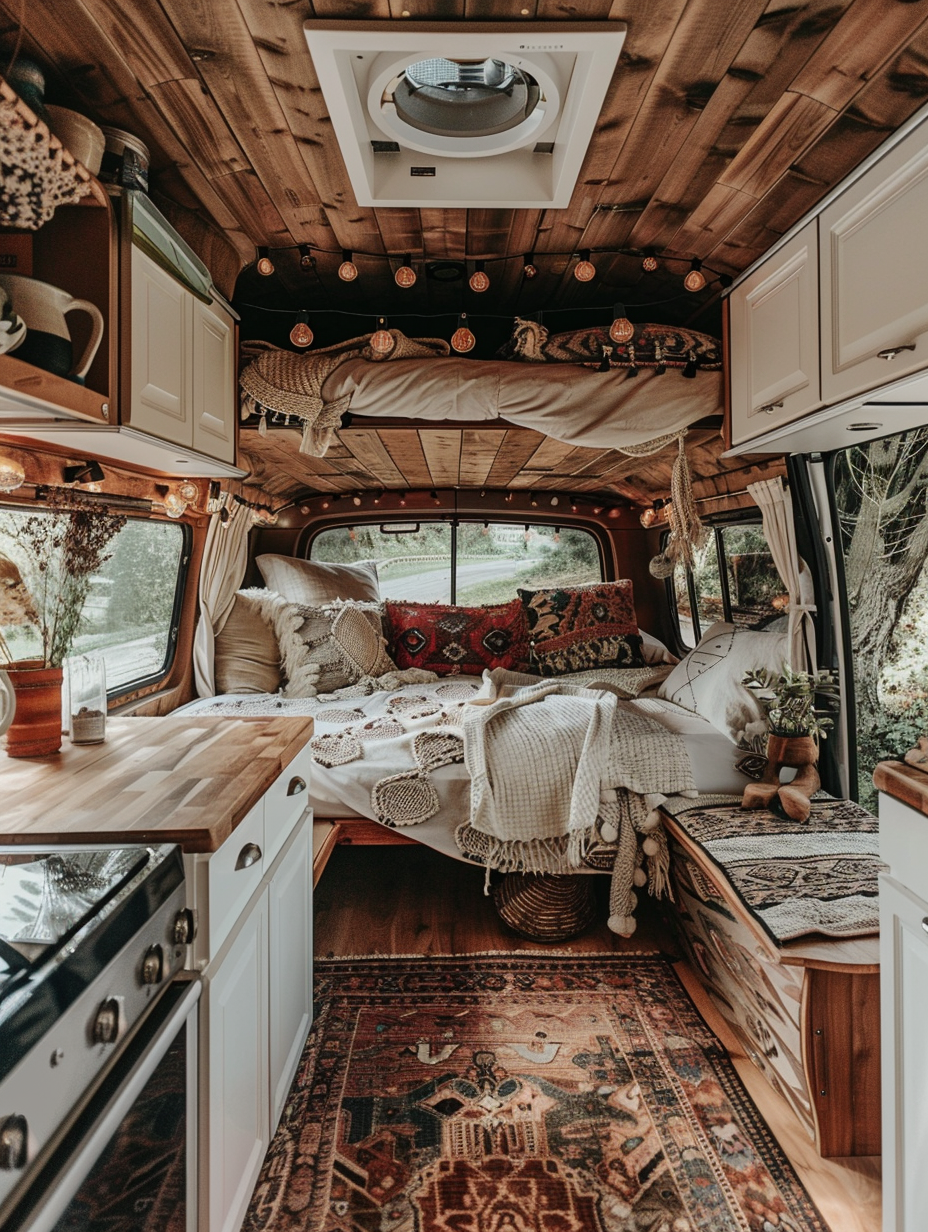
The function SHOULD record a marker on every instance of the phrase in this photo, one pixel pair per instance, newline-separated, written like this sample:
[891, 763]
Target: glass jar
[86, 694]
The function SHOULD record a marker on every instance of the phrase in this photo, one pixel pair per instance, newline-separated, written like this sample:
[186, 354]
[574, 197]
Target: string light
[265, 264]
[436, 499]
[462, 339]
[405, 276]
[188, 491]
[649, 262]
[12, 475]
[402, 499]
[347, 271]
[529, 268]
[621, 329]
[307, 260]
[695, 280]
[584, 270]
[301, 335]
[356, 499]
[382, 341]
[174, 505]
[478, 280]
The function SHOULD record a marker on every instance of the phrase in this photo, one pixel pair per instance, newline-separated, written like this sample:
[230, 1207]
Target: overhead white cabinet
[875, 273]
[775, 340]
[182, 378]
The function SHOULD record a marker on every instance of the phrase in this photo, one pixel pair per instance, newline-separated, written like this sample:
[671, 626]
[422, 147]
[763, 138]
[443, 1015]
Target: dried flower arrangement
[60, 549]
[789, 700]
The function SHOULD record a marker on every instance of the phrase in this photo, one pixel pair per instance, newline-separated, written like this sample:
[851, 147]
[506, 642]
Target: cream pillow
[708, 679]
[331, 646]
[246, 658]
[653, 650]
[312, 583]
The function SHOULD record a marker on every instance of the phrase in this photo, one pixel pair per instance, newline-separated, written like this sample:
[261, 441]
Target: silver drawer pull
[296, 786]
[892, 352]
[769, 407]
[925, 923]
[250, 854]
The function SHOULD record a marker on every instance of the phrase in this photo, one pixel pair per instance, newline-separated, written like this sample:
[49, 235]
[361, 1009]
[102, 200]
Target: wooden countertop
[907, 783]
[187, 779]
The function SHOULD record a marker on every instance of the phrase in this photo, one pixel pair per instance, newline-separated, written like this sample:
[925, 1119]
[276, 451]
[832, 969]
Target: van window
[129, 613]
[468, 563]
[733, 578]
[881, 497]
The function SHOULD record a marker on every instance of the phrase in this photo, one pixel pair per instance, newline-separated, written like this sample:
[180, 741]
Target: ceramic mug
[48, 342]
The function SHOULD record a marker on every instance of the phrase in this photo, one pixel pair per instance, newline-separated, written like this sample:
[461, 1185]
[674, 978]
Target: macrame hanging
[687, 533]
[36, 173]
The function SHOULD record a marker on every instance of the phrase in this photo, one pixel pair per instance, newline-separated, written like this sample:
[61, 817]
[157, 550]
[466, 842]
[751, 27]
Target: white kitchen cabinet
[290, 973]
[182, 364]
[774, 340]
[874, 270]
[237, 1126]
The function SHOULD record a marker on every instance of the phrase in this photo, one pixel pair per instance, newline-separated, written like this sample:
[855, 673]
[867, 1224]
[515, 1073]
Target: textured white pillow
[331, 646]
[314, 582]
[653, 650]
[708, 679]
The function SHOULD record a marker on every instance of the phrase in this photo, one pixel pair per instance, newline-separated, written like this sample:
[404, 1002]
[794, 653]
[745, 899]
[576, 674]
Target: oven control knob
[185, 927]
[106, 1022]
[13, 1144]
[153, 965]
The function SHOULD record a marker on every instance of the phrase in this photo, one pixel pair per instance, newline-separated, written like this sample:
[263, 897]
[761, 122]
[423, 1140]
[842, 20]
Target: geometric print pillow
[574, 628]
[452, 641]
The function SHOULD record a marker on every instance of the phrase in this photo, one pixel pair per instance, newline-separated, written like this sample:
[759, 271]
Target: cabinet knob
[925, 923]
[769, 407]
[893, 351]
[185, 927]
[296, 786]
[250, 854]
[105, 1026]
[153, 965]
[13, 1143]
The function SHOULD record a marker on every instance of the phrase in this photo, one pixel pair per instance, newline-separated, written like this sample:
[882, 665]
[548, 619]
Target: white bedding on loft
[336, 791]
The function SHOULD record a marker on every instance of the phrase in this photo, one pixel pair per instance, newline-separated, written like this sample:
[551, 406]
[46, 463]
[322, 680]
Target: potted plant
[796, 720]
[57, 550]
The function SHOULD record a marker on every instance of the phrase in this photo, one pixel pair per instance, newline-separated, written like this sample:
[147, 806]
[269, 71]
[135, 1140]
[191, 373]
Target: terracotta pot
[36, 727]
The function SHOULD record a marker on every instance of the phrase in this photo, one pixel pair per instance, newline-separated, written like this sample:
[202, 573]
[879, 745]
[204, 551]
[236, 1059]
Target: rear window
[468, 563]
[129, 614]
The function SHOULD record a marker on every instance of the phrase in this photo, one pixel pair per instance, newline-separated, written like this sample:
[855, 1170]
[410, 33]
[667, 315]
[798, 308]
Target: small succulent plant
[789, 700]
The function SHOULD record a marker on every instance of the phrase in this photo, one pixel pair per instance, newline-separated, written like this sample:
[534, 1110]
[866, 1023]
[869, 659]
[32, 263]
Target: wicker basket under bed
[544, 907]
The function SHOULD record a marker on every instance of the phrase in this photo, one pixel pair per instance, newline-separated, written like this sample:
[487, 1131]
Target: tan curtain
[772, 497]
[225, 559]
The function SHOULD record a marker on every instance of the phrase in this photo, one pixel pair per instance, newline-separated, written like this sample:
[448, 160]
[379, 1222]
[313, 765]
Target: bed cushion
[654, 651]
[575, 628]
[453, 641]
[330, 646]
[246, 658]
[708, 679]
[313, 582]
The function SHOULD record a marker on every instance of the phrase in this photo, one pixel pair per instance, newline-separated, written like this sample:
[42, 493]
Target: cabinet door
[291, 964]
[904, 997]
[874, 274]
[774, 340]
[236, 1125]
[159, 400]
[213, 375]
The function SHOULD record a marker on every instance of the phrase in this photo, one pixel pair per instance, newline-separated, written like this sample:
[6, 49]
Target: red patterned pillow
[454, 641]
[582, 627]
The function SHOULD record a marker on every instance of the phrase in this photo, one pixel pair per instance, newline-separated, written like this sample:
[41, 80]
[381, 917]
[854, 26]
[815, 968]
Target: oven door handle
[67, 1180]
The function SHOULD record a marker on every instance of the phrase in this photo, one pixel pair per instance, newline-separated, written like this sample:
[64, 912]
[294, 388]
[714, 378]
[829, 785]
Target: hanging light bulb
[695, 280]
[405, 276]
[382, 341]
[265, 264]
[356, 499]
[402, 499]
[188, 491]
[621, 329]
[352, 534]
[301, 335]
[485, 529]
[12, 475]
[462, 339]
[436, 499]
[529, 268]
[649, 262]
[557, 534]
[478, 280]
[307, 260]
[174, 505]
[584, 270]
[347, 271]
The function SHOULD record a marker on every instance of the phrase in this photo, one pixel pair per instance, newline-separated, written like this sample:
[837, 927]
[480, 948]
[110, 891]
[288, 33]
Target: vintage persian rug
[797, 878]
[519, 1093]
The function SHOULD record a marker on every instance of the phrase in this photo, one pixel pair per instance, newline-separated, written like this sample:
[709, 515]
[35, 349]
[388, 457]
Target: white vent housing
[494, 115]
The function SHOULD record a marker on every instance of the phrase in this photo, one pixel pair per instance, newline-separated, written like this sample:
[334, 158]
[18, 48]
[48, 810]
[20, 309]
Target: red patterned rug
[519, 1093]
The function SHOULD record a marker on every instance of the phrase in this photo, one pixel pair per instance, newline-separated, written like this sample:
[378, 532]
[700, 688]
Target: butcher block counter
[186, 779]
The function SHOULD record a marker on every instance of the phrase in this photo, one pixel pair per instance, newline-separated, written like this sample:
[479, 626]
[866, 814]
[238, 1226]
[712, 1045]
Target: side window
[733, 578]
[491, 560]
[129, 612]
[881, 496]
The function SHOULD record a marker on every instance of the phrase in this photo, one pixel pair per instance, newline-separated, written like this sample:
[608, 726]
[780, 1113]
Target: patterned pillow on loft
[651, 346]
[453, 641]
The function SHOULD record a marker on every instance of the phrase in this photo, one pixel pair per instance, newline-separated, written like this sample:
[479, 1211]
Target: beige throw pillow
[312, 583]
[246, 658]
[331, 646]
[708, 679]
